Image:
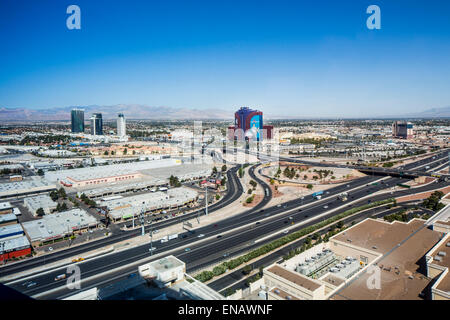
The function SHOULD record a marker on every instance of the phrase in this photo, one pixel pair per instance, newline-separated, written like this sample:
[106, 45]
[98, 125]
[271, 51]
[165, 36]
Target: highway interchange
[228, 238]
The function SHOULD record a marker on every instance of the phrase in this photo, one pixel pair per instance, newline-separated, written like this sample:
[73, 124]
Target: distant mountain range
[131, 111]
[432, 113]
[137, 112]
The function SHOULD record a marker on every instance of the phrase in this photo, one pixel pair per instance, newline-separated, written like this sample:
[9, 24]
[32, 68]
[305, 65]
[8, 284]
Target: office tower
[121, 127]
[96, 124]
[77, 119]
[402, 129]
[248, 125]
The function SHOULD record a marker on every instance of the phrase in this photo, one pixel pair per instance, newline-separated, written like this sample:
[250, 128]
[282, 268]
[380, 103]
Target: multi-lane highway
[229, 237]
[234, 191]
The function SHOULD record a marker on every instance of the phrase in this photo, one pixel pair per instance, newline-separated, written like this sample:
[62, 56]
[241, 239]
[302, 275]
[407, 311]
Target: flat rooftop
[42, 201]
[58, 224]
[24, 185]
[113, 170]
[6, 231]
[377, 235]
[166, 263]
[17, 243]
[333, 280]
[403, 247]
[7, 217]
[294, 277]
[442, 253]
[5, 206]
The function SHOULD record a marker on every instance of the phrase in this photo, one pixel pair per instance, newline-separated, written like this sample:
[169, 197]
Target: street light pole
[206, 209]
[142, 220]
[151, 237]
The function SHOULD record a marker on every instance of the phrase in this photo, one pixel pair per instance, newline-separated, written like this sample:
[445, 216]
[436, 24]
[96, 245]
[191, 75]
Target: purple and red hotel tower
[248, 125]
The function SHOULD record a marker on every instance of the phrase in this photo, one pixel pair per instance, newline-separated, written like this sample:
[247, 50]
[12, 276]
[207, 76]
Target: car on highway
[325, 207]
[226, 255]
[215, 226]
[201, 235]
[187, 249]
[290, 218]
[279, 205]
[257, 223]
[60, 277]
[78, 259]
[219, 236]
[50, 249]
[132, 275]
[286, 231]
[26, 283]
[31, 284]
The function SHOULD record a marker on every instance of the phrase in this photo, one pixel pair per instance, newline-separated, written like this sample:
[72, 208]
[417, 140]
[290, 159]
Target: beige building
[285, 284]
[410, 261]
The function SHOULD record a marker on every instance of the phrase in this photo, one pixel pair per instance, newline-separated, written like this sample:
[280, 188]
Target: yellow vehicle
[436, 175]
[77, 259]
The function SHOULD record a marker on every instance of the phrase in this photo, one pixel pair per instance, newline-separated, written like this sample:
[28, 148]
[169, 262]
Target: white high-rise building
[121, 128]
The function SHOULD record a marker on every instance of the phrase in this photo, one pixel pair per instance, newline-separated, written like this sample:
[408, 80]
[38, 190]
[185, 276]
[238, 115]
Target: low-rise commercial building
[42, 201]
[14, 248]
[10, 231]
[7, 219]
[122, 208]
[6, 208]
[33, 186]
[58, 225]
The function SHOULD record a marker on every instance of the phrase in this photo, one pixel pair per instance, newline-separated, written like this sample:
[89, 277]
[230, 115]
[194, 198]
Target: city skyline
[293, 59]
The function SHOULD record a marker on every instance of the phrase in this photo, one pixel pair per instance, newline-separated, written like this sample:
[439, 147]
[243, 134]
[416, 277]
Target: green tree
[40, 212]
[62, 193]
[224, 168]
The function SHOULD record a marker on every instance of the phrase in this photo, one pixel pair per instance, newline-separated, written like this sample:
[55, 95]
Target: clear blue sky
[297, 58]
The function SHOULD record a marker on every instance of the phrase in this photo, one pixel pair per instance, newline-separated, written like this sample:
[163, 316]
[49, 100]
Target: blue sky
[288, 58]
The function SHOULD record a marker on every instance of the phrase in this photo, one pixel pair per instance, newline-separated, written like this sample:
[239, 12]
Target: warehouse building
[58, 225]
[11, 167]
[10, 231]
[93, 176]
[123, 188]
[26, 187]
[6, 208]
[7, 219]
[14, 248]
[42, 201]
[125, 207]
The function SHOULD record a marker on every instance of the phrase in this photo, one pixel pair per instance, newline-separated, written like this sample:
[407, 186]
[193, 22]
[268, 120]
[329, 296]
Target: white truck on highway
[173, 236]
